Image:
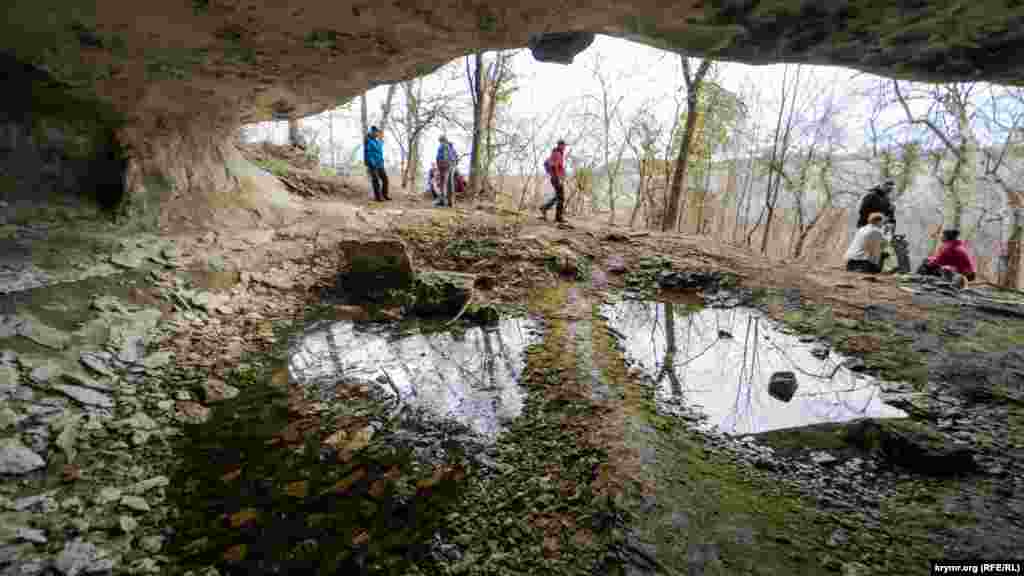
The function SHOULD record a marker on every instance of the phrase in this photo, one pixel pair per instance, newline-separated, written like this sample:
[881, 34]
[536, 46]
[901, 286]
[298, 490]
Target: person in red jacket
[952, 258]
[555, 167]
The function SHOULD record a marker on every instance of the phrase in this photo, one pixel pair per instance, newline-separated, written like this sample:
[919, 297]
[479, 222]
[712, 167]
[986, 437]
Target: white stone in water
[16, 458]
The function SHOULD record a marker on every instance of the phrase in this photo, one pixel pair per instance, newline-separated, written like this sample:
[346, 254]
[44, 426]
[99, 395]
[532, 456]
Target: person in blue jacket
[373, 157]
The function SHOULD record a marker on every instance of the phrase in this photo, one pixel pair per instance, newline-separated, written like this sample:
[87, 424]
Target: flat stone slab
[16, 458]
[8, 377]
[80, 379]
[85, 396]
[42, 334]
[129, 260]
[96, 363]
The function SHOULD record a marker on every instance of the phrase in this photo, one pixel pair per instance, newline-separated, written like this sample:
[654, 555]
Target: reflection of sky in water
[472, 378]
[727, 378]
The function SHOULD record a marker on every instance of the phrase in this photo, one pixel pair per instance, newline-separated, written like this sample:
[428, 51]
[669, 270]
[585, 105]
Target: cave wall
[55, 149]
[172, 80]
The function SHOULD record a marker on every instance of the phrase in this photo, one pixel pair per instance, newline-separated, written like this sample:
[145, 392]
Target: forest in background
[776, 162]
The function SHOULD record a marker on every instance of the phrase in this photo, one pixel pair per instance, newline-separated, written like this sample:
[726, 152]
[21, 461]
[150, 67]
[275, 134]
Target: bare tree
[363, 115]
[608, 113]
[1005, 117]
[641, 136]
[781, 140]
[477, 90]
[693, 86]
[385, 107]
[949, 119]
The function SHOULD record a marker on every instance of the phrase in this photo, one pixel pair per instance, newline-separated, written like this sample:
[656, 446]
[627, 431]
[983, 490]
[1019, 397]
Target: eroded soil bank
[151, 423]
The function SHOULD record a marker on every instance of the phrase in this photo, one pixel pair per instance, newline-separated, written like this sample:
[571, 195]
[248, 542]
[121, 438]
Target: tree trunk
[478, 116]
[363, 115]
[294, 136]
[672, 209]
[1011, 273]
[385, 108]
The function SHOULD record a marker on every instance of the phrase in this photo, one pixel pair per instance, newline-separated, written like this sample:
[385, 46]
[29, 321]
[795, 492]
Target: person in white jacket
[865, 251]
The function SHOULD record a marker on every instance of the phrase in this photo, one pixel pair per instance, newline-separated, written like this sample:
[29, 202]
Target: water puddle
[720, 361]
[471, 375]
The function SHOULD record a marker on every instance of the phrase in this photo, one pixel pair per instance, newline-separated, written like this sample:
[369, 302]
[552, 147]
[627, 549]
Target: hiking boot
[543, 214]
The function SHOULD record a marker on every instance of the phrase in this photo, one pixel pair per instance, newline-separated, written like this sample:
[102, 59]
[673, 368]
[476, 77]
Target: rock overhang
[228, 61]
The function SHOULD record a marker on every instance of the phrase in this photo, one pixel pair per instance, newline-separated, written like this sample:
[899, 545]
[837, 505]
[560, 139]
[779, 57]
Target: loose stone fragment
[16, 458]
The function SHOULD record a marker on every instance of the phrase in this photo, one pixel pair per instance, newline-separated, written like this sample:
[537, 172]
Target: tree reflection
[722, 360]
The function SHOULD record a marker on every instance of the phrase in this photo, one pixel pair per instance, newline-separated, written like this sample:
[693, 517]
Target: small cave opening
[57, 147]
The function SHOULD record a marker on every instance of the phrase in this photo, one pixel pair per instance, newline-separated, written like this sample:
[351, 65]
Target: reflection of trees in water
[743, 358]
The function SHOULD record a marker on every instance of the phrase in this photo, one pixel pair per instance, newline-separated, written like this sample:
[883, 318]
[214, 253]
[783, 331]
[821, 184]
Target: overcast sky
[641, 74]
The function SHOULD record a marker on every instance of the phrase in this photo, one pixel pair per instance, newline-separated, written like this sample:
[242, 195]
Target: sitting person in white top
[865, 252]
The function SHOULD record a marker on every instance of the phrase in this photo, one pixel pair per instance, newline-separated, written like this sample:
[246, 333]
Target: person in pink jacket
[555, 168]
[952, 258]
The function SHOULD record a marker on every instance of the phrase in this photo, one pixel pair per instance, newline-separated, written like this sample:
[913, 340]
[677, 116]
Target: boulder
[908, 444]
[375, 266]
[441, 293]
[782, 386]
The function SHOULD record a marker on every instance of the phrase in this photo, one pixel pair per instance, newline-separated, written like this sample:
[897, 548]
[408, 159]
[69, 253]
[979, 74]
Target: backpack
[547, 166]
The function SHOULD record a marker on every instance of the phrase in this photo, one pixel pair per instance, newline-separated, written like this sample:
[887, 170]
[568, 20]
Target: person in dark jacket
[373, 157]
[878, 200]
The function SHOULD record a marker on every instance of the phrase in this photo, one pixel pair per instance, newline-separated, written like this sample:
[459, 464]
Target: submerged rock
[16, 458]
[782, 386]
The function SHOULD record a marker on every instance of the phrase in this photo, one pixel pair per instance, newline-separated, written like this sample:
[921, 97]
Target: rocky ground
[149, 422]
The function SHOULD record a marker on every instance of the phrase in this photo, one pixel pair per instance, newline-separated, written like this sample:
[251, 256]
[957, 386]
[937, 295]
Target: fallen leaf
[297, 489]
[236, 553]
[347, 482]
[361, 538]
[230, 476]
[244, 517]
[70, 472]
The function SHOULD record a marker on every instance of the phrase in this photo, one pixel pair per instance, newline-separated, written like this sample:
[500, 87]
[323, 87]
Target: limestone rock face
[171, 80]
